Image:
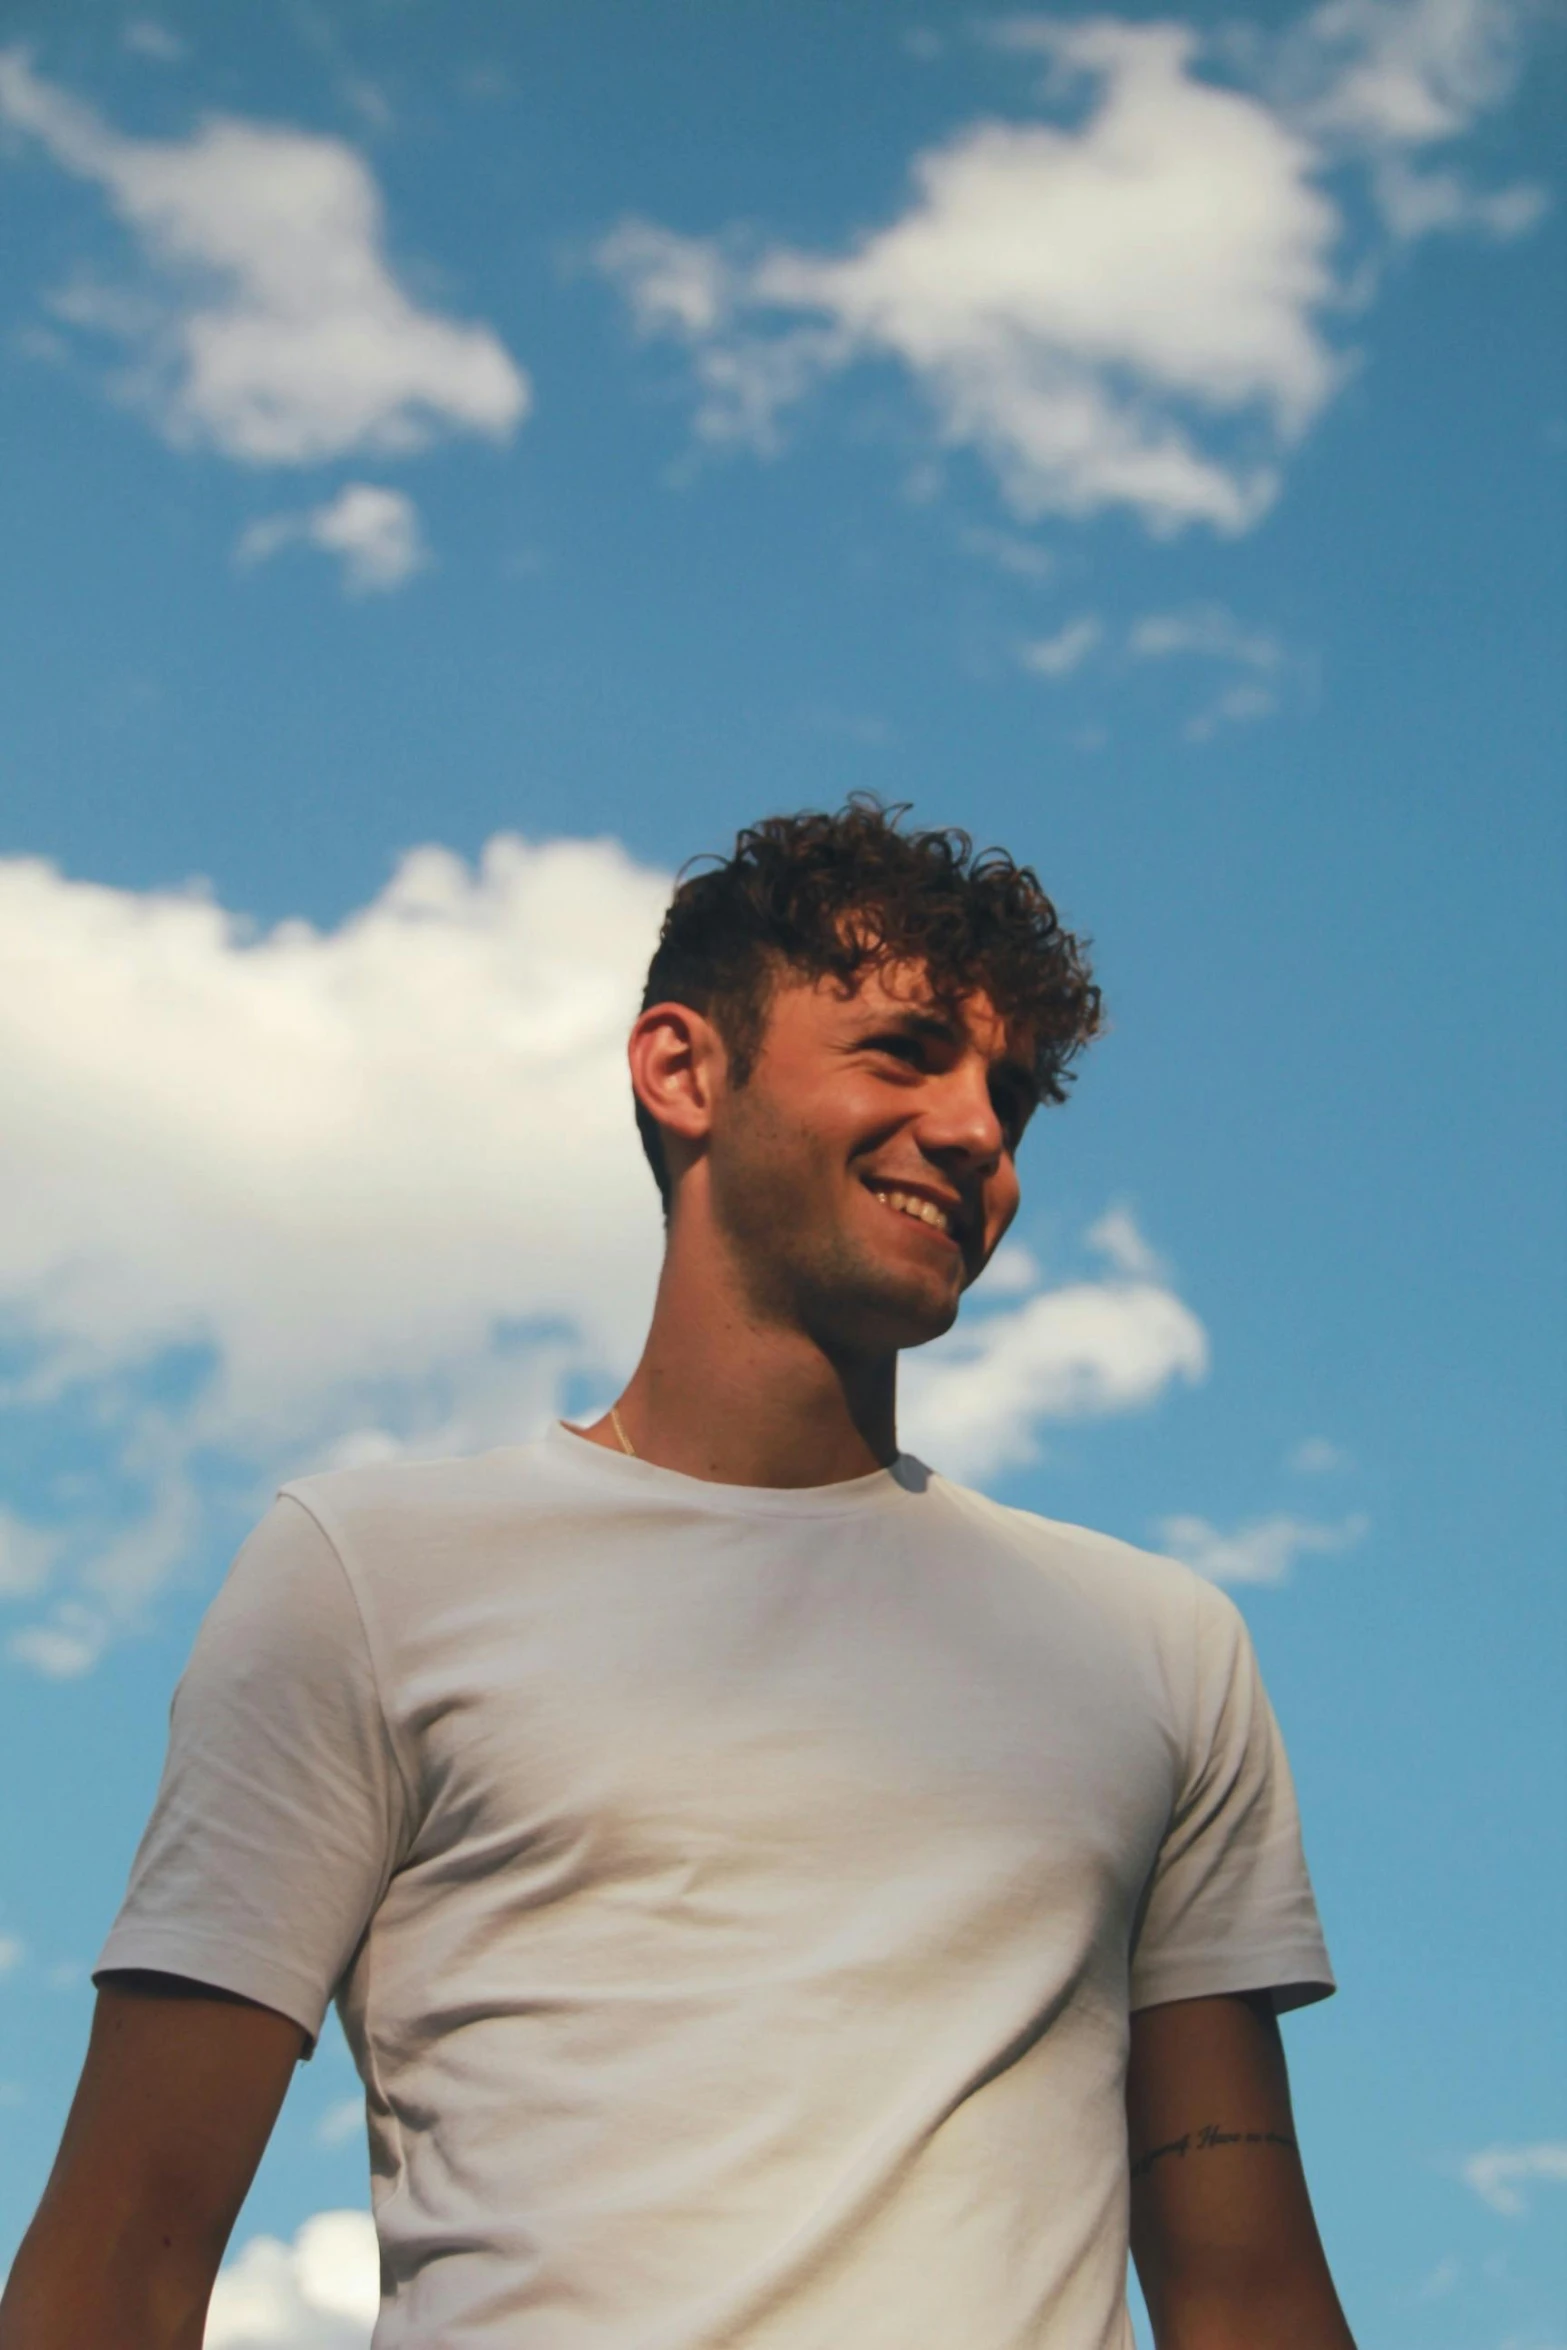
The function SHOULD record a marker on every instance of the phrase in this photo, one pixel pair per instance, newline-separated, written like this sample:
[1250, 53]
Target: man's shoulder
[399, 1495]
[1121, 1574]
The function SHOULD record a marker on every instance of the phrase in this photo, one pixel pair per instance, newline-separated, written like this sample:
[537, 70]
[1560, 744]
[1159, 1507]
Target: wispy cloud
[1500, 2175]
[340, 2122]
[1118, 1236]
[1023, 558]
[268, 323]
[321, 2292]
[1126, 302]
[1058, 655]
[1211, 634]
[68, 1644]
[26, 1556]
[1262, 1550]
[1317, 1456]
[12, 1952]
[1208, 630]
[1440, 2281]
[373, 531]
[1398, 82]
[143, 36]
[1260, 667]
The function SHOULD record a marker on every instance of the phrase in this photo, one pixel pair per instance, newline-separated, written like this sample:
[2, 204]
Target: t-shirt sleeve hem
[1292, 1977]
[198, 1958]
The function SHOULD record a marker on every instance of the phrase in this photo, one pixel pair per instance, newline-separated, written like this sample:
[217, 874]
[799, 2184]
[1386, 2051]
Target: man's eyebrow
[941, 1029]
[912, 1022]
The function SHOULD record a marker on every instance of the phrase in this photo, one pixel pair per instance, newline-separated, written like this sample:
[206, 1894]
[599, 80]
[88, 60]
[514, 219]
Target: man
[776, 1898]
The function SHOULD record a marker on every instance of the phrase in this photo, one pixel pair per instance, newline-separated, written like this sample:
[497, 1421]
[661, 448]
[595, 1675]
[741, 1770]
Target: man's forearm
[69, 2289]
[1287, 2310]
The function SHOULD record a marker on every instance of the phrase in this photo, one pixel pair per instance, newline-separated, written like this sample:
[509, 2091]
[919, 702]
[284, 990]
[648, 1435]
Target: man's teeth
[909, 1205]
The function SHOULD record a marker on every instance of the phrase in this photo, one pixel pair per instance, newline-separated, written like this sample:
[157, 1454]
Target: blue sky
[465, 461]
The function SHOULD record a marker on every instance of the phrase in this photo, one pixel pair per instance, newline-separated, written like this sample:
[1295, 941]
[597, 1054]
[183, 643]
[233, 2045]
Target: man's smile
[922, 1206]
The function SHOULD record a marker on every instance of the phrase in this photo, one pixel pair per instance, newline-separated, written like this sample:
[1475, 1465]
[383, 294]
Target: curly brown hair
[831, 896]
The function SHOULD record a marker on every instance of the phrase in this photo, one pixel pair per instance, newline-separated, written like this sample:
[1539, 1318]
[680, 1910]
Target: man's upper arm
[279, 1819]
[281, 1812]
[1229, 1905]
[1223, 2233]
[178, 2095]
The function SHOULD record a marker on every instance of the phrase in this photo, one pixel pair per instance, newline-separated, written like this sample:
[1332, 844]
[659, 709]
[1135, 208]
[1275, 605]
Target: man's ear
[678, 1067]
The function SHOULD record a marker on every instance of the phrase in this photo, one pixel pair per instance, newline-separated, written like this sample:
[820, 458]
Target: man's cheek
[1003, 1208]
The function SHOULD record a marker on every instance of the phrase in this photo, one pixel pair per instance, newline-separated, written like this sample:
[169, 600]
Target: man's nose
[961, 1121]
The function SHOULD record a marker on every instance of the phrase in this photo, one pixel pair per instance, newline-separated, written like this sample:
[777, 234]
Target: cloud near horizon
[287, 1196]
[1126, 305]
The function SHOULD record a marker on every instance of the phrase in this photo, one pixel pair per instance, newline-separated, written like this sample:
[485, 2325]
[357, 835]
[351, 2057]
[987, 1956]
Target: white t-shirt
[734, 1898]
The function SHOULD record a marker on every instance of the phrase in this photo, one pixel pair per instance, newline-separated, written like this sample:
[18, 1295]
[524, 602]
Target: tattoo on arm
[1201, 2141]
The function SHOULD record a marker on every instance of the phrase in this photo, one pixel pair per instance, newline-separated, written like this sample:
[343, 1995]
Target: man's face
[864, 1174]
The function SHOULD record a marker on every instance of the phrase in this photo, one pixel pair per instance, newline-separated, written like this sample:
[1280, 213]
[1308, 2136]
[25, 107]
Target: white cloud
[12, 1952]
[351, 1165]
[1499, 2174]
[374, 532]
[1058, 655]
[1264, 1550]
[322, 2292]
[1077, 304]
[1013, 1271]
[1126, 304]
[273, 328]
[974, 1400]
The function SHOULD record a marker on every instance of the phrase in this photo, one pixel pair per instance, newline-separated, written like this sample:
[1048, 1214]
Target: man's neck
[727, 1393]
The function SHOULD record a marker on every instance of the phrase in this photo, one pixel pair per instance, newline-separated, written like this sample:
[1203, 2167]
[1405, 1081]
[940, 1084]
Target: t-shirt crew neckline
[568, 1448]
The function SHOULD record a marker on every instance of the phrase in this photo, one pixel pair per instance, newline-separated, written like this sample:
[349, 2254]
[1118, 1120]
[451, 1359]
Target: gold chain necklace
[618, 1425]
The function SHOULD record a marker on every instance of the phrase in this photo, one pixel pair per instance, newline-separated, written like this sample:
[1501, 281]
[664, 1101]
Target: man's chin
[885, 1315]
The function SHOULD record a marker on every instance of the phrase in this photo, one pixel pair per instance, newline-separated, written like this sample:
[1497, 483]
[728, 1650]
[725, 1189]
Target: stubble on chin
[799, 1264]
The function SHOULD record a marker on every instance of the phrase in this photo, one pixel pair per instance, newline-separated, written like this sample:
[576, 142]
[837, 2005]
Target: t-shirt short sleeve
[281, 1810]
[1230, 1906]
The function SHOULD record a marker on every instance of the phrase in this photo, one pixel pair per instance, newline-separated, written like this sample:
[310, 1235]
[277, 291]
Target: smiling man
[777, 1899]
